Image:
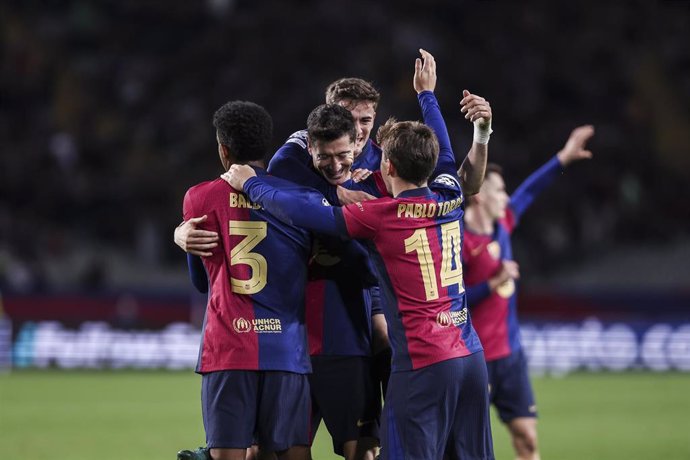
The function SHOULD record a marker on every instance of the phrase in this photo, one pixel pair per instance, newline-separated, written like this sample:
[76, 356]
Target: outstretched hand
[237, 175]
[424, 72]
[193, 240]
[575, 147]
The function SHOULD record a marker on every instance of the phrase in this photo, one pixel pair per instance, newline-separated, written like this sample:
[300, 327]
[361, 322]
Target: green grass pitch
[150, 415]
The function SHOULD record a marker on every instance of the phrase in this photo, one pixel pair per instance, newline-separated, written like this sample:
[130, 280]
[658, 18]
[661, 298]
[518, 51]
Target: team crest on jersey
[446, 179]
[241, 325]
[299, 138]
[451, 318]
[494, 250]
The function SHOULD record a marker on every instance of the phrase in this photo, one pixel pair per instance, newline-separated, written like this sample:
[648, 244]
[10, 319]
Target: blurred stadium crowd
[105, 115]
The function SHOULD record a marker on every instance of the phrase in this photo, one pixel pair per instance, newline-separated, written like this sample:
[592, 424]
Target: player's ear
[224, 151]
[392, 172]
[226, 157]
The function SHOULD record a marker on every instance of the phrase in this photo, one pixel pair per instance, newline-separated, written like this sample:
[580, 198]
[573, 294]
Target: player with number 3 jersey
[437, 400]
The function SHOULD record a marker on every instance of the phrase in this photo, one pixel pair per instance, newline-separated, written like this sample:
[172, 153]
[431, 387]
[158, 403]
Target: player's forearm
[294, 208]
[431, 113]
[527, 192]
[473, 168]
[376, 308]
[197, 273]
[477, 293]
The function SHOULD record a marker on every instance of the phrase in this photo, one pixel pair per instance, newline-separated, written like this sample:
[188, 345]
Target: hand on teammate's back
[193, 240]
[575, 146]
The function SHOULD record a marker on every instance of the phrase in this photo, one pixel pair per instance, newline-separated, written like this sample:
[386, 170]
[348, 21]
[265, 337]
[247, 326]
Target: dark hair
[245, 128]
[411, 146]
[493, 168]
[327, 123]
[355, 89]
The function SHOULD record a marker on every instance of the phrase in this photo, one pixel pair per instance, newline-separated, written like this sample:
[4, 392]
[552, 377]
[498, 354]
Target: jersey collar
[421, 191]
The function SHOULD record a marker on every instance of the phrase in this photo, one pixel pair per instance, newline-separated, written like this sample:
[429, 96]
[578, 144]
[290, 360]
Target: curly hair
[245, 128]
[354, 89]
[327, 123]
[411, 146]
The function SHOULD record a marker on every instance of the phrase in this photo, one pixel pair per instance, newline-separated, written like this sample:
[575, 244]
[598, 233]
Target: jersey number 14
[450, 242]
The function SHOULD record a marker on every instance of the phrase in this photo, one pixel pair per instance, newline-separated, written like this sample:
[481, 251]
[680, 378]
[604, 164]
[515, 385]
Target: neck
[364, 146]
[256, 163]
[398, 186]
[478, 221]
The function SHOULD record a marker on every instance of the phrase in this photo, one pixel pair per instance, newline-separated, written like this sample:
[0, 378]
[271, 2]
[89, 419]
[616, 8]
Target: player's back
[418, 238]
[257, 277]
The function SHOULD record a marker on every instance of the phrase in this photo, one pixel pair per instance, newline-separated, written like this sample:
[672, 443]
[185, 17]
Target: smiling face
[363, 113]
[333, 159]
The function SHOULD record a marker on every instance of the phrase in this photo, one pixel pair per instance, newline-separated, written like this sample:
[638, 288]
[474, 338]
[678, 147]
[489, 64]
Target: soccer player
[490, 274]
[253, 356]
[297, 160]
[437, 400]
[342, 296]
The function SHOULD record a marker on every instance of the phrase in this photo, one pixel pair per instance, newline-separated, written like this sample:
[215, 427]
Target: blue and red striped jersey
[341, 291]
[256, 276]
[416, 240]
[494, 314]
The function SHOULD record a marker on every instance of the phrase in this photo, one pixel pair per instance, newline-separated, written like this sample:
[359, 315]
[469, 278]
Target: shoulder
[295, 147]
[374, 148]
[509, 221]
[298, 138]
[207, 187]
[289, 186]
[448, 183]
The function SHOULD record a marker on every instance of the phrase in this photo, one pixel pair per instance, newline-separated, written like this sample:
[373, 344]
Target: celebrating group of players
[347, 268]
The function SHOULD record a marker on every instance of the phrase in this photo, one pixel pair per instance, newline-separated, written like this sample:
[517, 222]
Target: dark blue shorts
[241, 408]
[345, 395]
[510, 389]
[438, 410]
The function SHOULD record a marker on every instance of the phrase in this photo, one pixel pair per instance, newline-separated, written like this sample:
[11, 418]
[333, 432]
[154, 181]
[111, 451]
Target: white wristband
[481, 135]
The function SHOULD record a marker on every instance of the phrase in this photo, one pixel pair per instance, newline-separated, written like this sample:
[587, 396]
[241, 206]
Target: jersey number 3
[241, 254]
[450, 242]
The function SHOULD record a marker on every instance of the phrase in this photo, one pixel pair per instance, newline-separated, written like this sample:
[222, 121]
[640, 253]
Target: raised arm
[573, 150]
[424, 82]
[471, 172]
